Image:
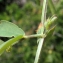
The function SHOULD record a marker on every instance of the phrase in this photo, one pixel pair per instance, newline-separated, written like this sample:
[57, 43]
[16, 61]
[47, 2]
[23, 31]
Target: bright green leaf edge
[8, 43]
[1, 42]
[9, 29]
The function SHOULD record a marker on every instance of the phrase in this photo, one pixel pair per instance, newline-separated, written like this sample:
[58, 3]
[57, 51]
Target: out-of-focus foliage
[28, 17]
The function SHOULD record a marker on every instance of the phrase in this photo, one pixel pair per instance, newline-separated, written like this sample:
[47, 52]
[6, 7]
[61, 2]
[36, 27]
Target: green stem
[43, 17]
[52, 7]
[38, 53]
[35, 35]
[39, 49]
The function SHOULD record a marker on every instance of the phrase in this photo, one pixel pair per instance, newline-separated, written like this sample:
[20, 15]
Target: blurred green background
[27, 15]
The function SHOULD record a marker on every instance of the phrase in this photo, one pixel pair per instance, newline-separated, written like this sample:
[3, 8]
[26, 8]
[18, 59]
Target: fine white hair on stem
[43, 19]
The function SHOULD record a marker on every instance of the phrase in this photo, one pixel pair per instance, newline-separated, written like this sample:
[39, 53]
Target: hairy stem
[35, 35]
[43, 18]
[44, 9]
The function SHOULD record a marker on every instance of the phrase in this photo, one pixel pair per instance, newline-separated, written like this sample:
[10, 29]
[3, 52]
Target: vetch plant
[12, 31]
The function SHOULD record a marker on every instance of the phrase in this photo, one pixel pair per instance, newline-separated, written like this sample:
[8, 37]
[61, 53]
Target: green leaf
[40, 31]
[1, 42]
[9, 43]
[8, 29]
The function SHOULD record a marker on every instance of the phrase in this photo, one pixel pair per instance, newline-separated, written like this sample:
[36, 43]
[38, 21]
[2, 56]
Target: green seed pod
[50, 22]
